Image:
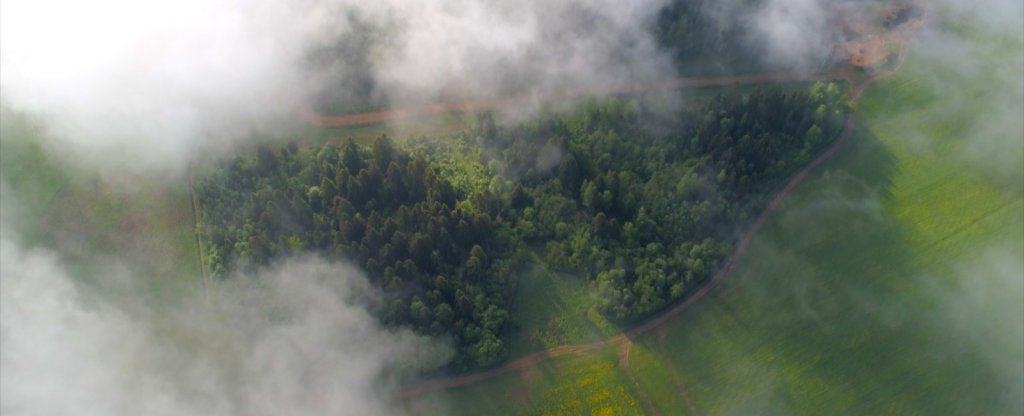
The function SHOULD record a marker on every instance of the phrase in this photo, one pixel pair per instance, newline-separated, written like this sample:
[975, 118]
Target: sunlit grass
[582, 386]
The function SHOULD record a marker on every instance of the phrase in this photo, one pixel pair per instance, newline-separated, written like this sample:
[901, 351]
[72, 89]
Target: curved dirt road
[532, 359]
[475, 106]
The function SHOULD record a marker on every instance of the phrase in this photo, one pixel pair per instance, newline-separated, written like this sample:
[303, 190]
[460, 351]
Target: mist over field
[970, 59]
[294, 339]
[982, 46]
[127, 88]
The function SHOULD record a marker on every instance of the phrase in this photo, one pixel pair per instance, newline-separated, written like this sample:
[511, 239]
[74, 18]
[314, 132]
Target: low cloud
[975, 62]
[145, 86]
[780, 34]
[127, 88]
[793, 32]
[475, 47]
[973, 56]
[983, 310]
[294, 339]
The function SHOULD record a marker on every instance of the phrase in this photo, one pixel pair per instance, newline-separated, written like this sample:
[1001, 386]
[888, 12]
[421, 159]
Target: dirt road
[475, 106]
[855, 93]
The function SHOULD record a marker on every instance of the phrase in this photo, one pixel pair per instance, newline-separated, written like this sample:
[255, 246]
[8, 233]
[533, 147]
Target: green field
[589, 384]
[553, 309]
[888, 283]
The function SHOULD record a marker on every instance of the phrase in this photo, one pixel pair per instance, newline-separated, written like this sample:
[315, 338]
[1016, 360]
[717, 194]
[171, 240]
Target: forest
[441, 225]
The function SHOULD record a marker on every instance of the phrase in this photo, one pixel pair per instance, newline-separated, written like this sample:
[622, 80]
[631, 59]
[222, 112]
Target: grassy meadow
[552, 309]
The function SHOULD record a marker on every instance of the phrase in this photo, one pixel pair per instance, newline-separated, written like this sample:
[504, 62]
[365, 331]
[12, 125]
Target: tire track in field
[727, 266]
[624, 366]
[667, 360]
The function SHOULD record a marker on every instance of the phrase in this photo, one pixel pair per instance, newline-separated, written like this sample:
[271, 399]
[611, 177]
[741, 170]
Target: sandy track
[855, 93]
[483, 105]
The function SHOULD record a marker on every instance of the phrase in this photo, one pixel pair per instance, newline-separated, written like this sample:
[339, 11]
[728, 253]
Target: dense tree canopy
[444, 267]
[439, 224]
[648, 216]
